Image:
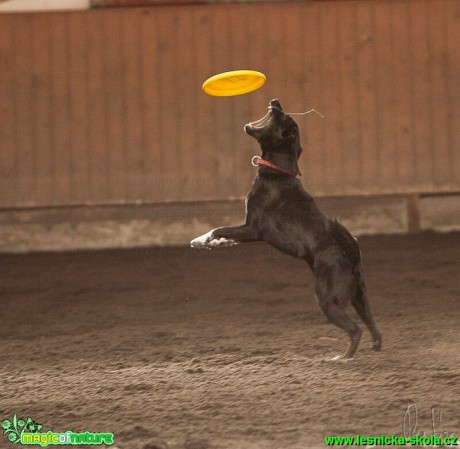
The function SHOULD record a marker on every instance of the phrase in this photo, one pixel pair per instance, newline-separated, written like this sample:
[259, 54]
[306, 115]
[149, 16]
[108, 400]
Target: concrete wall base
[96, 227]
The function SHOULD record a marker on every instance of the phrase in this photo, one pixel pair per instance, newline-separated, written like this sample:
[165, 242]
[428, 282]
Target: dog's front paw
[202, 241]
[210, 240]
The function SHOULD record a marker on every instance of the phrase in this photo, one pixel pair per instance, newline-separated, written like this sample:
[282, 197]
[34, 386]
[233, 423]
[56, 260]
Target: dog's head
[278, 135]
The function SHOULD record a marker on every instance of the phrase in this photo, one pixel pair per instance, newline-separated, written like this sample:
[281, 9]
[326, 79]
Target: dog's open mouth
[259, 124]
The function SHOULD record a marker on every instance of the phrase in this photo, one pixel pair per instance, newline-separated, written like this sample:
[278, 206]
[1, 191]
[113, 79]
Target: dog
[280, 212]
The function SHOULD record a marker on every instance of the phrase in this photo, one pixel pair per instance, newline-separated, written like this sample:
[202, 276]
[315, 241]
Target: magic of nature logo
[28, 432]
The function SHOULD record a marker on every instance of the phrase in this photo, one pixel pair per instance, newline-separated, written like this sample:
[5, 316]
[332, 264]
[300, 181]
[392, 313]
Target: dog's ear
[291, 135]
[294, 166]
[299, 152]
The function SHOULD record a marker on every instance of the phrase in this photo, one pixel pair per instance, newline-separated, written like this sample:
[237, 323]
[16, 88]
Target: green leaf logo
[15, 428]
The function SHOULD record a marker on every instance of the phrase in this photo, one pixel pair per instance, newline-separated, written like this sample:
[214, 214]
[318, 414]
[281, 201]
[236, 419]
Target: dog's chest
[263, 198]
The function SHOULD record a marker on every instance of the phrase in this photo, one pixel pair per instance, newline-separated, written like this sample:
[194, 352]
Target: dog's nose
[276, 103]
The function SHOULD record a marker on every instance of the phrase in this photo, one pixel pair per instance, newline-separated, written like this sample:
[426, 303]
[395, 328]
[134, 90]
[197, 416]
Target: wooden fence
[106, 107]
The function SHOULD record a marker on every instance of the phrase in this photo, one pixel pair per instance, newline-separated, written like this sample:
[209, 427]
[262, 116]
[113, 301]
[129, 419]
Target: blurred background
[107, 139]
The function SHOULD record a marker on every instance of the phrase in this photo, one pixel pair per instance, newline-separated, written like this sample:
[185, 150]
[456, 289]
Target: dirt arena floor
[174, 348]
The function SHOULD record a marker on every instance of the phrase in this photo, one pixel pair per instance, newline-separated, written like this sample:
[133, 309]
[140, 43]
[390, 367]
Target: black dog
[280, 212]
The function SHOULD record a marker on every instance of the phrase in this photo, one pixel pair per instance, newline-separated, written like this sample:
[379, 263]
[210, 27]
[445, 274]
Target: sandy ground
[187, 349]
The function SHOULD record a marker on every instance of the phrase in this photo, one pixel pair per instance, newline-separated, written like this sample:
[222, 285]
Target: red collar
[257, 160]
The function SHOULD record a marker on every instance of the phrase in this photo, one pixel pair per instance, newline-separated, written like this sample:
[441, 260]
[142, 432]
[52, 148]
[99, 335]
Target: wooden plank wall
[106, 107]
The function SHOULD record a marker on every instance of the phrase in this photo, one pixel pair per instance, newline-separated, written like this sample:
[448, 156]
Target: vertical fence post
[413, 213]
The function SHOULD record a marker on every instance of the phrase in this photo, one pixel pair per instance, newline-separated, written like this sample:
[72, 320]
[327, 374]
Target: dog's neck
[285, 163]
[258, 161]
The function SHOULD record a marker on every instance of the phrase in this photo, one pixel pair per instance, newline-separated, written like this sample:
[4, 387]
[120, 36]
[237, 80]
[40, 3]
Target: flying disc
[236, 82]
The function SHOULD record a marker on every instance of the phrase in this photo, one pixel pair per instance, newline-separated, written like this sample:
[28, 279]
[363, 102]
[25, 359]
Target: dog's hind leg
[333, 302]
[361, 305]
[337, 316]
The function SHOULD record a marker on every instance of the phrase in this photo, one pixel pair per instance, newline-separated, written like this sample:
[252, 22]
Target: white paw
[222, 242]
[201, 241]
[208, 241]
[340, 358]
